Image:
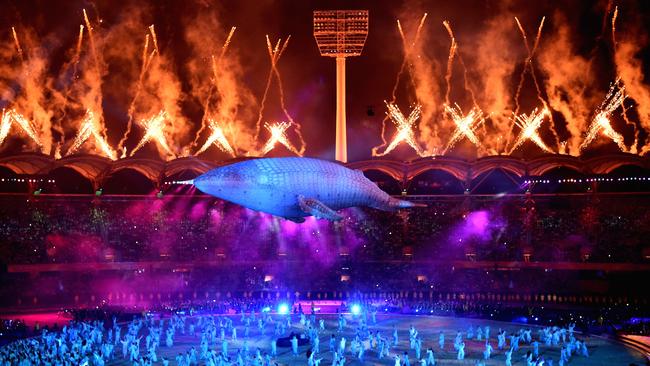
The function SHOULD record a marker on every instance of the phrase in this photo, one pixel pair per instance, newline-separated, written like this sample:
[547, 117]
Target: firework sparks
[404, 130]
[11, 116]
[466, 125]
[89, 127]
[154, 128]
[217, 138]
[278, 135]
[601, 123]
[529, 125]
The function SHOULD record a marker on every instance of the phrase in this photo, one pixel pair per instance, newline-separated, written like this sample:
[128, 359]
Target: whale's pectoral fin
[297, 220]
[318, 209]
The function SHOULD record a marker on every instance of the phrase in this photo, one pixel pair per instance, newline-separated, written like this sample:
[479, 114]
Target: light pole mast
[340, 34]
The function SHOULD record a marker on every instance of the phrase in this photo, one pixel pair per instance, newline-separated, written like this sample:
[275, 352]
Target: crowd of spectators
[60, 230]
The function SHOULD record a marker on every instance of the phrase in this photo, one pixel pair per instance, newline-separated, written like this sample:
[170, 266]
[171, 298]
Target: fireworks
[89, 127]
[11, 116]
[278, 135]
[404, 130]
[217, 138]
[529, 125]
[466, 125]
[154, 130]
[614, 99]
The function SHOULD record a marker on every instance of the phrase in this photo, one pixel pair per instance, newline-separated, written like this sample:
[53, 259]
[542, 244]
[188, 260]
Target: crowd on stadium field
[105, 335]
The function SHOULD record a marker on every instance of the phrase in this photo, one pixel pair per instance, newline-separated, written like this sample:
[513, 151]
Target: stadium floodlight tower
[340, 34]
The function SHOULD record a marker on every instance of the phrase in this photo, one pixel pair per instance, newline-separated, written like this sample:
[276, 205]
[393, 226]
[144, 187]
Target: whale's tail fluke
[395, 204]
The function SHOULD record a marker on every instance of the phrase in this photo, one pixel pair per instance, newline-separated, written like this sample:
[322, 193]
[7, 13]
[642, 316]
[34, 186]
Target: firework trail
[147, 57]
[152, 31]
[146, 60]
[19, 49]
[450, 60]
[623, 107]
[601, 123]
[204, 118]
[529, 124]
[408, 50]
[96, 90]
[466, 125]
[91, 38]
[66, 93]
[404, 130]
[278, 78]
[454, 52]
[278, 135]
[215, 63]
[530, 67]
[155, 130]
[274, 54]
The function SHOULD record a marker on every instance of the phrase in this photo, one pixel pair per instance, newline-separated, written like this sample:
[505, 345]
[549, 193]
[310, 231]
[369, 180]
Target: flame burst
[404, 130]
[278, 135]
[154, 128]
[217, 138]
[466, 125]
[529, 125]
[89, 128]
[11, 116]
[601, 123]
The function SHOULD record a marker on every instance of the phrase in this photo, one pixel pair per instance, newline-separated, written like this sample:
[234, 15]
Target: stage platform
[602, 351]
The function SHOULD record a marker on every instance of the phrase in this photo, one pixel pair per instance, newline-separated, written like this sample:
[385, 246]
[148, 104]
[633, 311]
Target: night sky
[309, 79]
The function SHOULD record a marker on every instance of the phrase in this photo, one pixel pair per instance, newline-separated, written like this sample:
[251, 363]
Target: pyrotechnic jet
[295, 188]
[12, 116]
